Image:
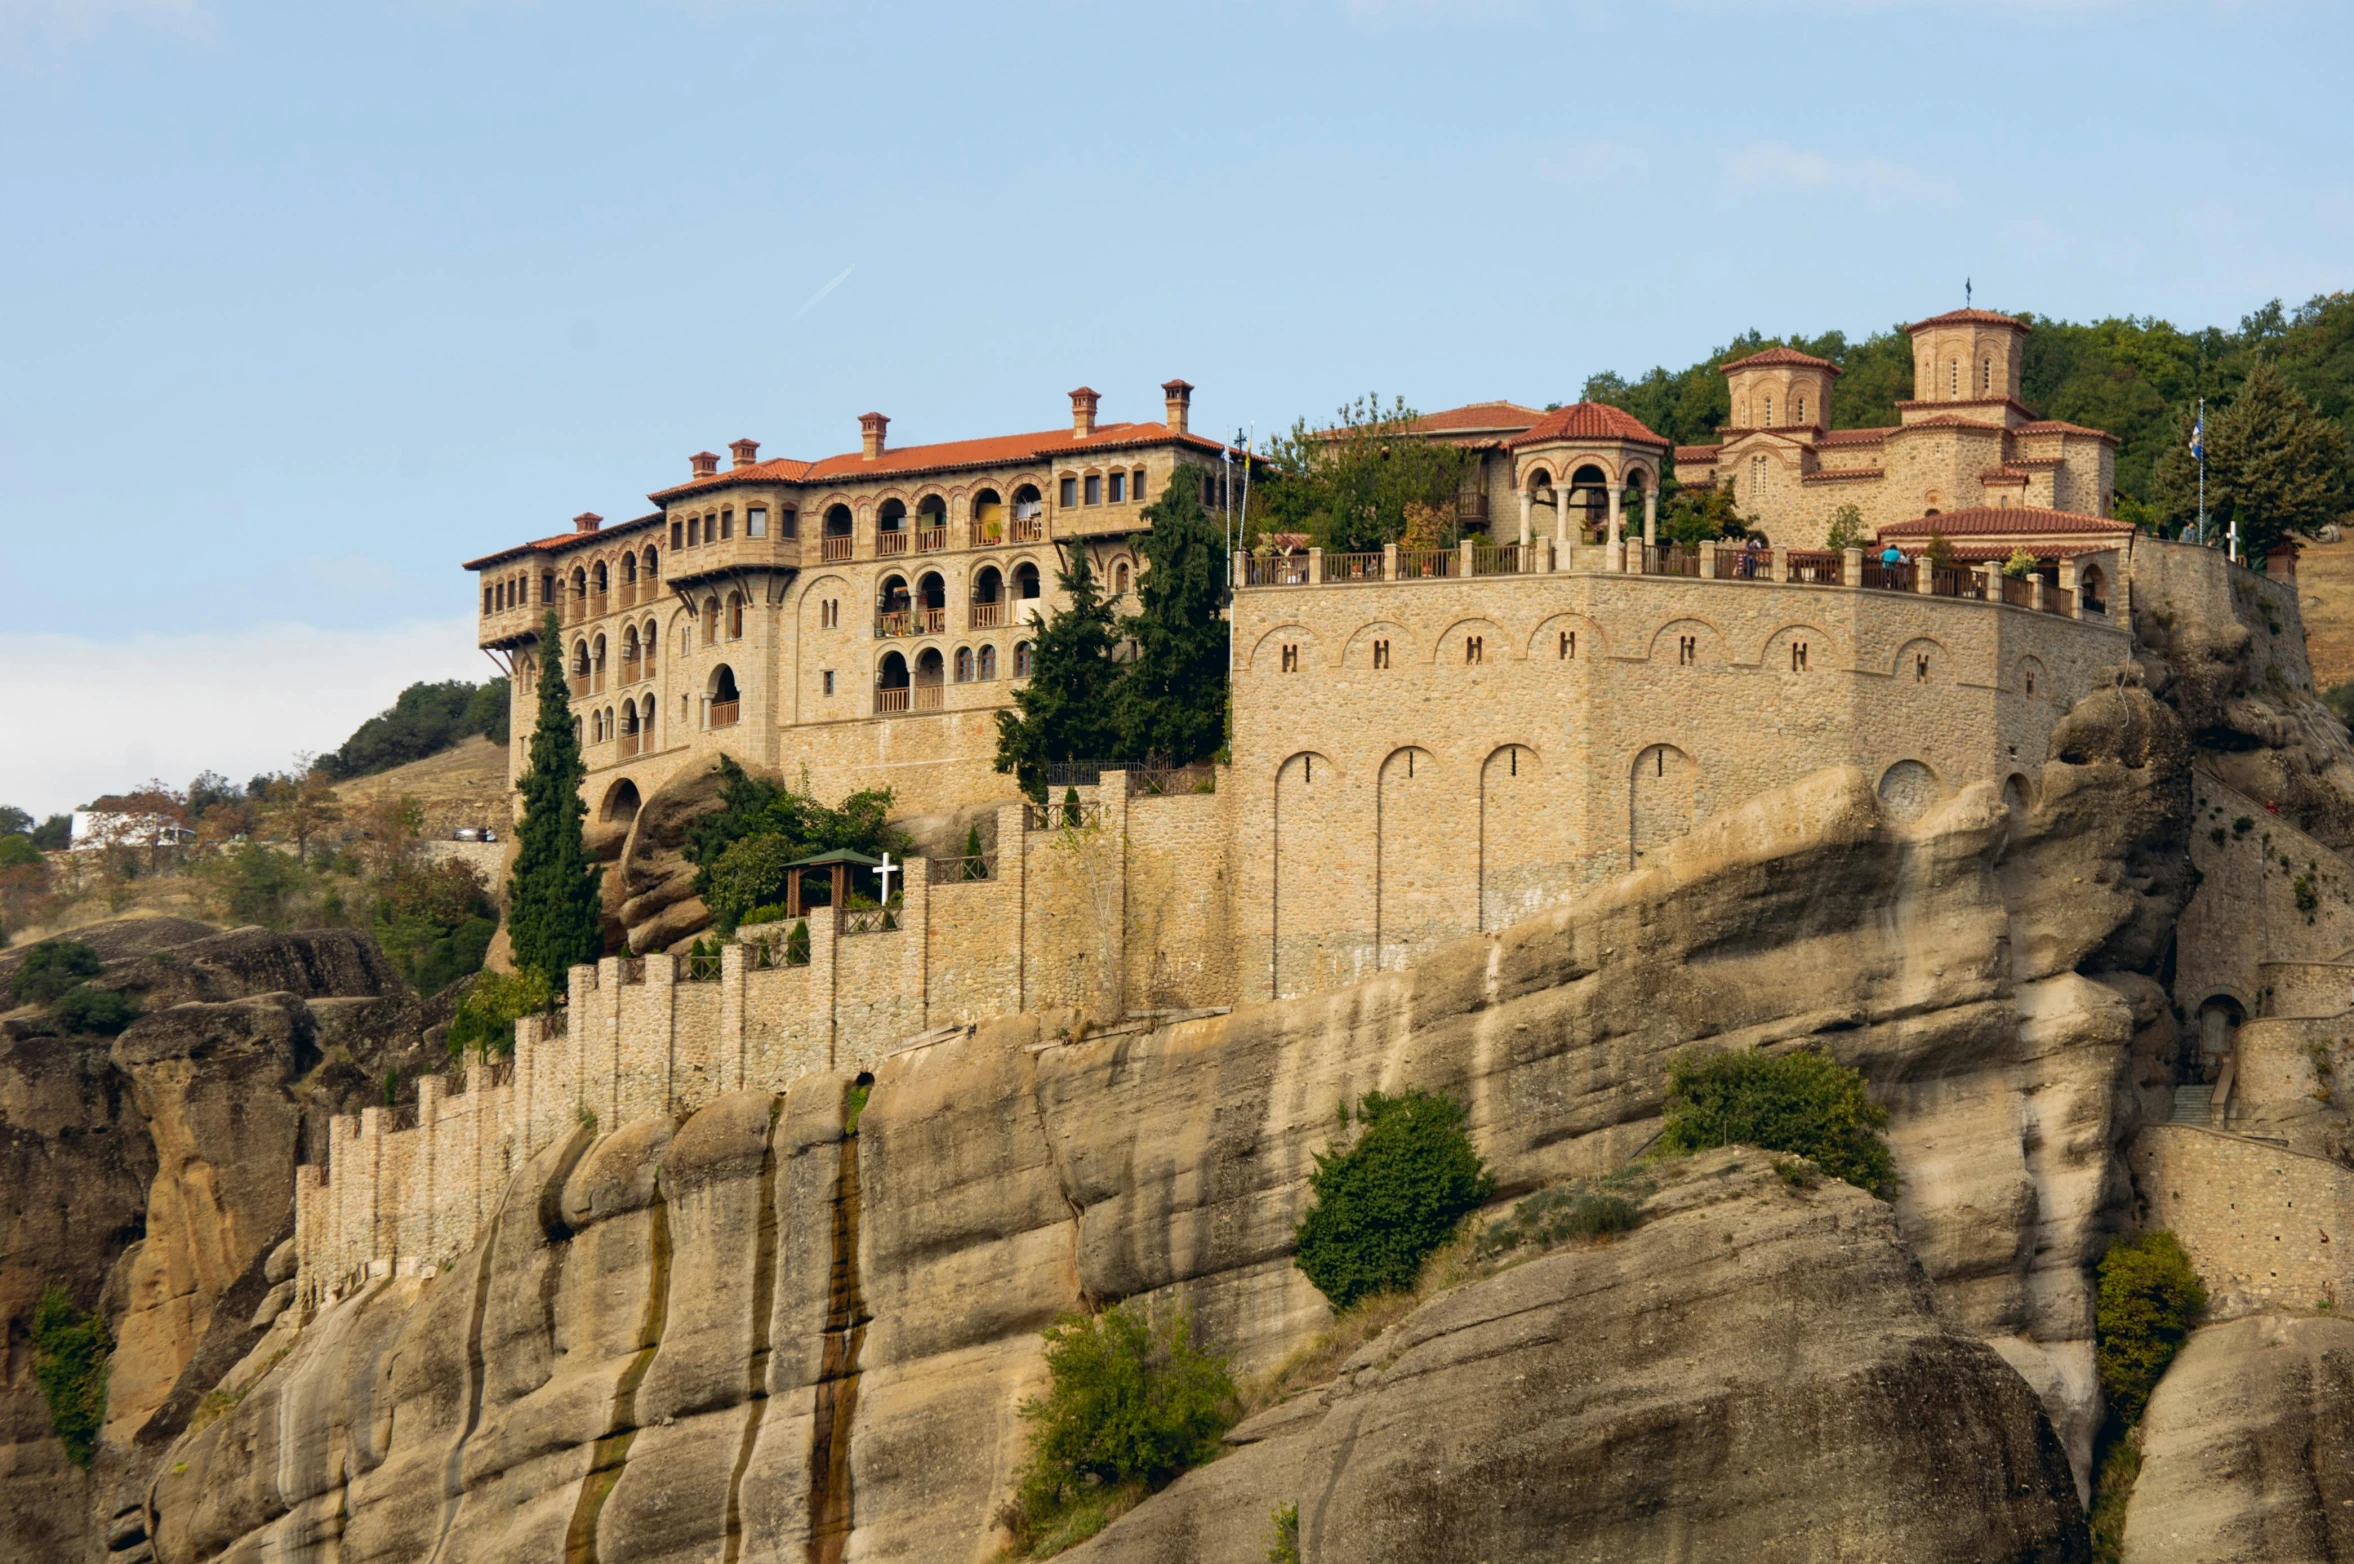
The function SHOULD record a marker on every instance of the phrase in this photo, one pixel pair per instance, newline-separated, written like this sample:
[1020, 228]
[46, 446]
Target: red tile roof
[1476, 417]
[1769, 356]
[992, 451]
[2057, 426]
[1949, 421]
[2003, 475]
[1969, 318]
[2039, 548]
[1842, 474]
[2019, 520]
[1853, 436]
[559, 542]
[1588, 421]
[1697, 453]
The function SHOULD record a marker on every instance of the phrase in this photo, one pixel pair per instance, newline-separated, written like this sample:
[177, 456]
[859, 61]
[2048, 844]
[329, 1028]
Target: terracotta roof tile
[1589, 421]
[1853, 436]
[992, 451]
[2040, 549]
[2058, 426]
[1970, 318]
[1697, 453]
[1782, 356]
[2023, 520]
[1949, 421]
[1476, 416]
[2003, 475]
[560, 542]
[1842, 474]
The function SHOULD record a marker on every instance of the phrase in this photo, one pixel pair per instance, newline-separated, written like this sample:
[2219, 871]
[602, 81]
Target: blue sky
[306, 303]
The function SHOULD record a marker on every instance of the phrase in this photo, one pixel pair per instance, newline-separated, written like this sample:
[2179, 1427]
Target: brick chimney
[587, 521]
[747, 451]
[1177, 397]
[1083, 403]
[705, 463]
[870, 434]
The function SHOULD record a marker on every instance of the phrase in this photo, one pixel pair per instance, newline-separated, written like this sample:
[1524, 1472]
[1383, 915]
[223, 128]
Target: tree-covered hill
[2138, 378]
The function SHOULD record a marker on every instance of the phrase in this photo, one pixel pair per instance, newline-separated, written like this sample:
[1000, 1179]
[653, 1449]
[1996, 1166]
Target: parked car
[469, 833]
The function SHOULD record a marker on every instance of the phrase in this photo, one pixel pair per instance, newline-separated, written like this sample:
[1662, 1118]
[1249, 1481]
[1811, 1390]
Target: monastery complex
[1427, 743]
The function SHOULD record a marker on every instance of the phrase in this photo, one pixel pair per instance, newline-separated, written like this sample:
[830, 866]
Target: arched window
[988, 598]
[988, 518]
[650, 640]
[931, 518]
[726, 700]
[892, 517]
[838, 522]
[985, 664]
[1798, 413]
[597, 664]
[653, 565]
[1986, 377]
[1953, 377]
[710, 621]
[932, 598]
[629, 653]
[735, 616]
[931, 671]
[1769, 410]
[646, 720]
[1025, 580]
[891, 683]
[597, 580]
[629, 570]
[964, 665]
[1757, 479]
[1024, 659]
[1120, 579]
[893, 608]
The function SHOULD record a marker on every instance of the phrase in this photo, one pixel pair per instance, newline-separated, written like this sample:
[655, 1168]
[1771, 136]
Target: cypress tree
[1065, 711]
[553, 916]
[1171, 702]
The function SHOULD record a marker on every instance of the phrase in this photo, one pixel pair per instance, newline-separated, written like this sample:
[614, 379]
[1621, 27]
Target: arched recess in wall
[1664, 800]
[1908, 790]
[1284, 649]
[621, 799]
[1321, 923]
[1428, 891]
[1527, 840]
[1381, 644]
[1566, 638]
[1921, 661]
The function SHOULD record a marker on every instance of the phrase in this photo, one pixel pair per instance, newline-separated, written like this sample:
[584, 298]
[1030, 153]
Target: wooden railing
[2019, 591]
[984, 534]
[1056, 817]
[927, 697]
[899, 621]
[628, 594]
[890, 541]
[866, 920]
[931, 621]
[1026, 529]
[1956, 581]
[1743, 564]
[1352, 567]
[1277, 570]
[965, 870]
[1670, 559]
[578, 684]
[596, 605]
[630, 743]
[2058, 600]
[1888, 578]
[835, 547]
[725, 713]
[629, 670]
[1815, 567]
[930, 540]
[1168, 781]
[574, 610]
[988, 616]
[888, 701]
[1504, 560]
[699, 967]
[1426, 564]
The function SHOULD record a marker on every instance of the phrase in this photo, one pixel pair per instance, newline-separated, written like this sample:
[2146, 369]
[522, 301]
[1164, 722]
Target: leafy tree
[1065, 711]
[553, 914]
[18, 851]
[14, 821]
[435, 922]
[50, 968]
[54, 834]
[1351, 485]
[253, 883]
[1699, 515]
[423, 720]
[740, 850]
[1171, 697]
[1847, 528]
[1383, 1203]
[2150, 1299]
[69, 1360]
[1128, 1404]
[493, 1003]
[2274, 466]
[300, 807]
[1803, 1102]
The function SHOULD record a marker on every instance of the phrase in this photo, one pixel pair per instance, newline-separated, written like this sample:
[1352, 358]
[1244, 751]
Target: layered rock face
[751, 1333]
[151, 1174]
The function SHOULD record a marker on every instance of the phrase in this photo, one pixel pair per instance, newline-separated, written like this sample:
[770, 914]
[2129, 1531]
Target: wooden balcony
[725, 713]
[1030, 529]
[888, 701]
[834, 549]
[930, 540]
[597, 603]
[629, 670]
[890, 541]
[927, 697]
[988, 616]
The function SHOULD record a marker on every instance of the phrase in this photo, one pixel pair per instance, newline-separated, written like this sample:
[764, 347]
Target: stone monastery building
[1427, 744]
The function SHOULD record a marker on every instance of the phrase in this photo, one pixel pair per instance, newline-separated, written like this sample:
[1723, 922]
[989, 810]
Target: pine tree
[1171, 701]
[2274, 466]
[1065, 711]
[553, 914]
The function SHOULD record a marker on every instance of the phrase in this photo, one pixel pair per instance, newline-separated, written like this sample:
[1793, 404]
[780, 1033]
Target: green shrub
[50, 968]
[1129, 1406]
[435, 922]
[2112, 1492]
[1287, 1536]
[1558, 1216]
[18, 851]
[89, 1008]
[253, 883]
[486, 1017]
[1803, 1102]
[2150, 1299]
[69, 1359]
[1385, 1202]
[797, 944]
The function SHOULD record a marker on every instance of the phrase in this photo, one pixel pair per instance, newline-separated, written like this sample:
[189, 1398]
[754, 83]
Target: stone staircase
[2194, 1105]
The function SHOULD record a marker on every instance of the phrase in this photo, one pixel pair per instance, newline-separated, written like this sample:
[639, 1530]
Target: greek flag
[2199, 438]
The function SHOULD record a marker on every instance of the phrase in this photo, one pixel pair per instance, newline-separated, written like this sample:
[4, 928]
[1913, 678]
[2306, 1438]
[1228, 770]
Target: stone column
[1617, 536]
[1463, 560]
[1526, 500]
[1389, 562]
[1315, 567]
[1924, 574]
[1851, 567]
[1562, 532]
[1651, 512]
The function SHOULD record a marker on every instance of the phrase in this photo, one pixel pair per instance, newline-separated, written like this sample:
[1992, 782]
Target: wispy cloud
[87, 716]
[29, 27]
[1778, 166]
[810, 303]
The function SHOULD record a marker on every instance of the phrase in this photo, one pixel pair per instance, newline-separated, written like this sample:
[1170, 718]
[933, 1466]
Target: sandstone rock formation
[747, 1333]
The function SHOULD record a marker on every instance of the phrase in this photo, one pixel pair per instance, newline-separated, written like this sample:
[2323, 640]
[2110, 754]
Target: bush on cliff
[1384, 1202]
[1130, 1405]
[69, 1361]
[493, 1003]
[2150, 1299]
[50, 968]
[1803, 1102]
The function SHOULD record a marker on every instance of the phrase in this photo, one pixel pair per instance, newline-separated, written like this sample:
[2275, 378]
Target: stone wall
[2268, 1227]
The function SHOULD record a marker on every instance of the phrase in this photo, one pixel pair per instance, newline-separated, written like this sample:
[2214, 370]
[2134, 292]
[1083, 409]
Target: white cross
[884, 874]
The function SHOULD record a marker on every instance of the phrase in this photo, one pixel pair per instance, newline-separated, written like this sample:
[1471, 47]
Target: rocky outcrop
[748, 1332]
[1758, 1372]
[2247, 1450]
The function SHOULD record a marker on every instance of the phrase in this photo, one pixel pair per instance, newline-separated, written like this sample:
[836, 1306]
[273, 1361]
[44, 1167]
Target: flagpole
[2199, 449]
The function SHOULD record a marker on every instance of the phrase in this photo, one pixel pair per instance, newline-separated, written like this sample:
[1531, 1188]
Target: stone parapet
[2267, 1227]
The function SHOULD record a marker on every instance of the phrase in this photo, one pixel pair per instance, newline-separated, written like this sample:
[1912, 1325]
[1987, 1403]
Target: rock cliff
[749, 1332]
